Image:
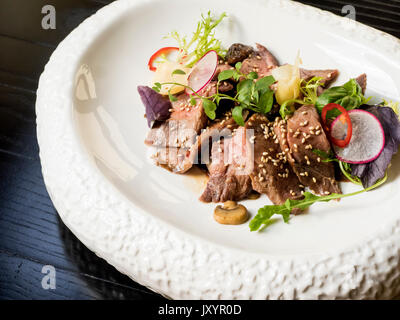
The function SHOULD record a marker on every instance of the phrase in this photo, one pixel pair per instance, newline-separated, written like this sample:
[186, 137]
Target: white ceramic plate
[148, 222]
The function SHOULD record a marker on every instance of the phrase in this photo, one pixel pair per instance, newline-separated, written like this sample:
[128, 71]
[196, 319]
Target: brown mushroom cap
[231, 213]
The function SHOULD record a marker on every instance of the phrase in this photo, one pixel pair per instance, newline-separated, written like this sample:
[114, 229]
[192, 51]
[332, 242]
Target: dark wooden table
[31, 234]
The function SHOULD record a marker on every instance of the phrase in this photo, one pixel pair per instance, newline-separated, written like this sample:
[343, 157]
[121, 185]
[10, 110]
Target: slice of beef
[362, 81]
[227, 180]
[261, 61]
[237, 52]
[301, 135]
[180, 131]
[328, 76]
[272, 173]
[184, 124]
[178, 160]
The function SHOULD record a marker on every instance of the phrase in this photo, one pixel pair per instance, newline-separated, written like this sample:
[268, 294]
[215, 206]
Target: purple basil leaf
[370, 173]
[157, 106]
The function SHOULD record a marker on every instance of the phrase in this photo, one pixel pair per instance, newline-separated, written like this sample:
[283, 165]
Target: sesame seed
[315, 180]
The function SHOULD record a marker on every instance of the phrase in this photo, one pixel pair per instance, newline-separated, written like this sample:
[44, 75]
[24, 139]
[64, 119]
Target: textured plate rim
[180, 267]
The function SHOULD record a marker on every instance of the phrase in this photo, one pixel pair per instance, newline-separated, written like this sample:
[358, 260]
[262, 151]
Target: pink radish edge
[383, 140]
[190, 92]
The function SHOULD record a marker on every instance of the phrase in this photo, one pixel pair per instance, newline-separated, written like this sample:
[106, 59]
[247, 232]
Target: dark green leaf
[244, 90]
[237, 114]
[238, 66]
[252, 75]
[264, 83]
[348, 96]
[209, 108]
[192, 101]
[226, 74]
[266, 102]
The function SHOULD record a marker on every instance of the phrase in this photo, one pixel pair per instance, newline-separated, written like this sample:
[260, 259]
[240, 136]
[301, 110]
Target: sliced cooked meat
[177, 160]
[237, 53]
[261, 61]
[184, 124]
[301, 135]
[328, 76]
[227, 180]
[362, 81]
[180, 131]
[272, 174]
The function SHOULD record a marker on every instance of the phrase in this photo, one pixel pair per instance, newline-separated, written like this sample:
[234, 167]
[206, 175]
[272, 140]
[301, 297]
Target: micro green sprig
[202, 41]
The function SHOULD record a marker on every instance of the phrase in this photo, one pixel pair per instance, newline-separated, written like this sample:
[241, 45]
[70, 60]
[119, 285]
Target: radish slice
[203, 72]
[367, 141]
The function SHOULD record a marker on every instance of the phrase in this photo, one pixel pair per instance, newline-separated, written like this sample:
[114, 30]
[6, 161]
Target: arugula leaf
[349, 96]
[265, 213]
[237, 115]
[209, 108]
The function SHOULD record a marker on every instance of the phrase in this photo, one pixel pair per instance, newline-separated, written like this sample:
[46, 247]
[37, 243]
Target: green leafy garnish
[344, 166]
[157, 87]
[209, 108]
[172, 98]
[202, 41]
[349, 96]
[251, 94]
[225, 75]
[237, 115]
[309, 91]
[178, 71]
[265, 213]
